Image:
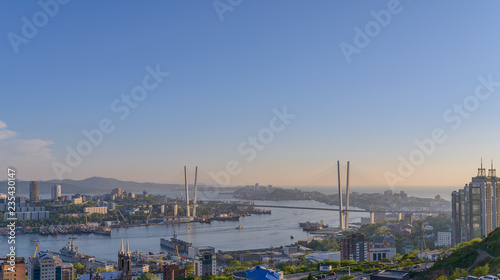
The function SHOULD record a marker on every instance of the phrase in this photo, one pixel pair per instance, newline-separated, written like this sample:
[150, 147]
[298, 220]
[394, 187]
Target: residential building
[45, 266]
[476, 208]
[55, 191]
[325, 267]
[110, 205]
[444, 239]
[354, 247]
[95, 210]
[30, 215]
[66, 271]
[382, 247]
[170, 272]
[77, 200]
[205, 261]
[17, 272]
[118, 192]
[34, 192]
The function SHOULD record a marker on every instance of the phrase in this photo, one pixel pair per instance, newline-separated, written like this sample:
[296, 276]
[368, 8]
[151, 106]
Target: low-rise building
[390, 275]
[290, 250]
[77, 200]
[16, 272]
[259, 273]
[324, 256]
[32, 215]
[95, 210]
[170, 272]
[382, 247]
[325, 267]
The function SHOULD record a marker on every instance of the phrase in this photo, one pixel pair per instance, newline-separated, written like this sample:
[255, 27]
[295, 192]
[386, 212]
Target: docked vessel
[308, 226]
[225, 217]
[69, 253]
[204, 220]
[182, 245]
[104, 231]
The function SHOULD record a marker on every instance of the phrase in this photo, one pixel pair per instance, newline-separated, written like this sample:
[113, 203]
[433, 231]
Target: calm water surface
[259, 231]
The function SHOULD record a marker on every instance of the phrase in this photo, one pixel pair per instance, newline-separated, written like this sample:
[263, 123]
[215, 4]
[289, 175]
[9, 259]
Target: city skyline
[213, 80]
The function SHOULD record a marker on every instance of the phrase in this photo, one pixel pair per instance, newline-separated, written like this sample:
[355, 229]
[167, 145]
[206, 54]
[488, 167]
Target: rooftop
[112, 275]
[394, 274]
[261, 273]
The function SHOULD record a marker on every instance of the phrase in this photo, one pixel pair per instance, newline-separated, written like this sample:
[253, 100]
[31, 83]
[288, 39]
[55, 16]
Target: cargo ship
[182, 245]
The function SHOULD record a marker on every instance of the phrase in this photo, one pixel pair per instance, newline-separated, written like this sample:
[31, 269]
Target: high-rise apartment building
[354, 247]
[55, 191]
[444, 239]
[204, 261]
[476, 207]
[34, 192]
[45, 266]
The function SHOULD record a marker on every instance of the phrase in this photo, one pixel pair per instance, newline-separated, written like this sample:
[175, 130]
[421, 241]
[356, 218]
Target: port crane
[124, 220]
[117, 219]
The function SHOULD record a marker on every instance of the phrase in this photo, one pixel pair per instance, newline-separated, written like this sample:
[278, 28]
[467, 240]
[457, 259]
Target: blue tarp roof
[261, 273]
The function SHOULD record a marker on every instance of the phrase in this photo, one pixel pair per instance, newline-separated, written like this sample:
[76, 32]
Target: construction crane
[178, 256]
[36, 249]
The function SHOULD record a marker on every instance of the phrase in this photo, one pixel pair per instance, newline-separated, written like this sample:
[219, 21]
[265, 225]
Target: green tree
[190, 268]
[147, 276]
[459, 273]
[78, 267]
[442, 278]
[481, 270]
[233, 263]
[310, 277]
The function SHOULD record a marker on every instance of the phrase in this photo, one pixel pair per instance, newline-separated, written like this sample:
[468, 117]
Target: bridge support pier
[372, 217]
[400, 216]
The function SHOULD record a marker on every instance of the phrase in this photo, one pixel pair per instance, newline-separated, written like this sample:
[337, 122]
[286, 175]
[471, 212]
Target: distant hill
[469, 255]
[91, 185]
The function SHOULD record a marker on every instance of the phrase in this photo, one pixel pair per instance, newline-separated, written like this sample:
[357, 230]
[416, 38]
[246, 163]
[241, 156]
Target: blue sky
[226, 78]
